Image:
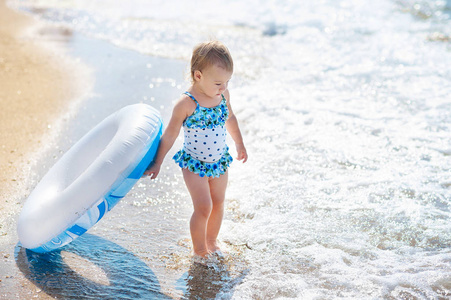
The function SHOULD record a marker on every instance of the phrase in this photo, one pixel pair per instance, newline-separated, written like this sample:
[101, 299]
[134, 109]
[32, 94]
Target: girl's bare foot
[213, 246]
[202, 259]
[203, 254]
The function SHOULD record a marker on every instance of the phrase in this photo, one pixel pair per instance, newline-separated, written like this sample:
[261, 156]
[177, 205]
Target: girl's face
[213, 80]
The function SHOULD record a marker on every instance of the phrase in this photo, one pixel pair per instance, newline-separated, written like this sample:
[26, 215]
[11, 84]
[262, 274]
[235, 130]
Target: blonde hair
[208, 54]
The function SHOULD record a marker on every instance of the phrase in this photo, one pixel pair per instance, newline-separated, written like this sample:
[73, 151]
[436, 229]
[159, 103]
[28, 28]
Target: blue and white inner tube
[90, 178]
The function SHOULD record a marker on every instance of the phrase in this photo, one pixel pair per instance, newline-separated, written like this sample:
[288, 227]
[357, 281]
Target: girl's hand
[241, 152]
[153, 171]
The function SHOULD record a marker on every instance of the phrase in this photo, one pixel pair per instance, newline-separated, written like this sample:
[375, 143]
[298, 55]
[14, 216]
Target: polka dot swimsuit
[205, 151]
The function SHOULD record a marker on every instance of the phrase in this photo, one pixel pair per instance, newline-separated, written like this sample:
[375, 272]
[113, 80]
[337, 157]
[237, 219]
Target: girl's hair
[210, 53]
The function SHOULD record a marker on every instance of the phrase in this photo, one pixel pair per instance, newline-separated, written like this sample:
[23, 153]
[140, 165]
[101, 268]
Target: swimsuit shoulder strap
[191, 96]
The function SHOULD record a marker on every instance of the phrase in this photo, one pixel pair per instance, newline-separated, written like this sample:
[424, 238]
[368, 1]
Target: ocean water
[345, 108]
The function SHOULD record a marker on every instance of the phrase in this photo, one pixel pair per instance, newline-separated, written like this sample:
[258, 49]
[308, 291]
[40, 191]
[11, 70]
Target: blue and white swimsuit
[205, 151]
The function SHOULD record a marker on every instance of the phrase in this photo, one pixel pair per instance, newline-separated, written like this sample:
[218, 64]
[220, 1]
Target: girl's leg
[217, 191]
[199, 190]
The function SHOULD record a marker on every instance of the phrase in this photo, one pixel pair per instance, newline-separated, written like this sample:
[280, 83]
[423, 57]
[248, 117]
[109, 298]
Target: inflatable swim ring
[90, 178]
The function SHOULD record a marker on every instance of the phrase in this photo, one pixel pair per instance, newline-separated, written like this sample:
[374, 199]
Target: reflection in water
[214, 281]
[127, 276]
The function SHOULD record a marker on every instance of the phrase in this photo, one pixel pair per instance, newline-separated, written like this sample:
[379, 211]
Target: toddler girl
[205, 113]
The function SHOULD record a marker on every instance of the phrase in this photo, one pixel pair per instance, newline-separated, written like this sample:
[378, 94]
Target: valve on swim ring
[90, 178]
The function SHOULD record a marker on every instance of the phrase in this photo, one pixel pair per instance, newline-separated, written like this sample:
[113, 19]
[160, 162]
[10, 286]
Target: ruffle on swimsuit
[205, 151]
[202, 168]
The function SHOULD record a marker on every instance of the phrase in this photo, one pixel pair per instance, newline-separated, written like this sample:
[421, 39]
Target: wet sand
[35, 86]
[38, 82]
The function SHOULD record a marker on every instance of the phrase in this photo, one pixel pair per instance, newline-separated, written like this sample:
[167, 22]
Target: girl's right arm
[169, 136]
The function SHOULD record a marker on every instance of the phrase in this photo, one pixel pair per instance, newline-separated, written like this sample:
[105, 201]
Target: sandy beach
[344, 109]
[35, 86]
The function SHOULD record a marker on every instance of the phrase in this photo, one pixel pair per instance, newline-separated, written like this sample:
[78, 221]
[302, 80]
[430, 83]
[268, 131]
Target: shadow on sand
[111, 271]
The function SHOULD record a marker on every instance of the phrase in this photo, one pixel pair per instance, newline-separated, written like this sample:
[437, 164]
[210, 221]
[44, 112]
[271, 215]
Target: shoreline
[39, 86]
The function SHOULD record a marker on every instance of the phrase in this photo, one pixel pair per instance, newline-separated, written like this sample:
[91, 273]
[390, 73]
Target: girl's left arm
[234, 131]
